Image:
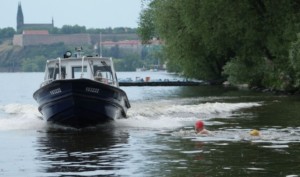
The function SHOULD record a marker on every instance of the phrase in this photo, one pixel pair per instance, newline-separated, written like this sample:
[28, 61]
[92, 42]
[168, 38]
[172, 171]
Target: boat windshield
[103, 74]
[53, 72]
[79, 72]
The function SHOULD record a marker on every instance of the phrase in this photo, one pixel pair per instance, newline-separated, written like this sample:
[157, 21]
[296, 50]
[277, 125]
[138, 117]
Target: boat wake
[176, 117]
[20, 117]
[168, 114]
[172, 114]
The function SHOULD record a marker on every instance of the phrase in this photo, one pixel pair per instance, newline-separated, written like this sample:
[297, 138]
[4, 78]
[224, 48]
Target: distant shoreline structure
[25, 26]
[42, 37]
[38, 34]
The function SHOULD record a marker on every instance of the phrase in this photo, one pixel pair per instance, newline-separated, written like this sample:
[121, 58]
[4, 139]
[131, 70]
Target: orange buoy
[254, 132]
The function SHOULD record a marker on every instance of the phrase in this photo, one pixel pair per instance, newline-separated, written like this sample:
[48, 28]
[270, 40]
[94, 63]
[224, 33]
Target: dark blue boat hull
[80, 103]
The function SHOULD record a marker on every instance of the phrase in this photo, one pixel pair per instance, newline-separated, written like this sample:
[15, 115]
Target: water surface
[157, 139]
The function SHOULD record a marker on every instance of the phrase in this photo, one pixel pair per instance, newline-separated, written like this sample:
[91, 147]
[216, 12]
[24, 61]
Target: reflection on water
[91, 151]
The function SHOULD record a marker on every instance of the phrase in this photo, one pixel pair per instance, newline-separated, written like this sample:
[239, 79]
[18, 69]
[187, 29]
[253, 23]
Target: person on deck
[199, 128]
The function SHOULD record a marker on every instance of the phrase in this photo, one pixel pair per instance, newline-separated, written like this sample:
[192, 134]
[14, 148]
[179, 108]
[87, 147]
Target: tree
[184, 47]
[36, 64]
[249, 39]
[7, 32]
[146, 28]
[68, 29]
[128, 63]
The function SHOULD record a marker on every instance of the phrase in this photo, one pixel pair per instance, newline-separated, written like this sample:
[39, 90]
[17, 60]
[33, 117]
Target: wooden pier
[164, 83]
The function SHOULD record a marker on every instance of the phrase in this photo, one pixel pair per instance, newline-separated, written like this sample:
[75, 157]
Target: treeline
[9, 32]
[253, 42]
[69, 29]
[33, 58]
[6, 33]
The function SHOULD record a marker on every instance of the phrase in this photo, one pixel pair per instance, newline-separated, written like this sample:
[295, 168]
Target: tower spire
[20, 17]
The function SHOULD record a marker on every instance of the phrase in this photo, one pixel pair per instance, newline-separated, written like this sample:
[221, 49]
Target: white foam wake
[159, 114]
[171, 114]
[20, 116]
[162, 108]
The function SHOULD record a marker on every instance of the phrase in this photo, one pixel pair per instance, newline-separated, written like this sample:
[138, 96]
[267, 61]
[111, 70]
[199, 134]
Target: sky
[88, 13]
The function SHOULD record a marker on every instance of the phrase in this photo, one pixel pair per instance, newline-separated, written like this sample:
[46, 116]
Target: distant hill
[128, 55]
[11, 57]
[42, 37]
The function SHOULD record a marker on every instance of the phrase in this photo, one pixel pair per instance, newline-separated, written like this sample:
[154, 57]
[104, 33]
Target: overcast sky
[89, 13]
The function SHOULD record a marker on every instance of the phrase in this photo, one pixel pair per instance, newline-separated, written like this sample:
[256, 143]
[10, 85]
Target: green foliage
[32, 58]
[36, 64]
[128, 63]
[68, 29]
[250, 40]
[294, 61]
[76, 29]
[146, 28]
[184, 48]
[240, 71]
[29, 58]
[152, 55]
[6, 33]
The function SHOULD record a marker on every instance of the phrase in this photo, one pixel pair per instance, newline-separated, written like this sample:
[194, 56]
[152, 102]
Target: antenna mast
[100, 44]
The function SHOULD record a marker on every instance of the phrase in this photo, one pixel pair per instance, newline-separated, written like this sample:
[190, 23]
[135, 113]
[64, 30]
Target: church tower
[20, 17]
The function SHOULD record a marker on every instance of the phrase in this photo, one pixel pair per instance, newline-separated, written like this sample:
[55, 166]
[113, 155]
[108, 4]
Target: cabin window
[53, 73]
[77, 72]
[103, 74]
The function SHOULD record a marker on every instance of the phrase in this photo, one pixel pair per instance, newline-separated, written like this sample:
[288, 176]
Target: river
[157, 138]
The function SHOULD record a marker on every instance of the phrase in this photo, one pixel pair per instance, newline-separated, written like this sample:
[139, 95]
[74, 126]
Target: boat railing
[59, 67]
[82, 66]
[86, 67]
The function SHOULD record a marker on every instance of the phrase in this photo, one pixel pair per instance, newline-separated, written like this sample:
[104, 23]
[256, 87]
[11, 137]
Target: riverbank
[261, 89]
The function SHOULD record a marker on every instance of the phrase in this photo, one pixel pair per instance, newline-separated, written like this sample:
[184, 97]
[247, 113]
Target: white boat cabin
[99, 69]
